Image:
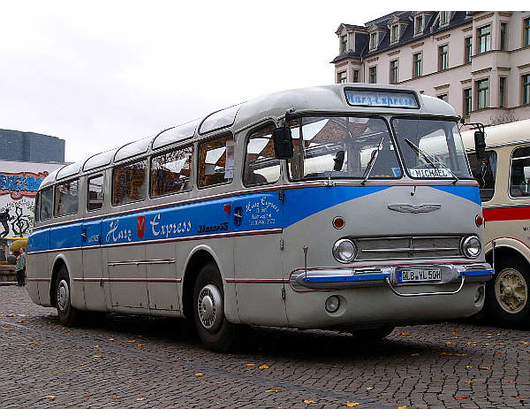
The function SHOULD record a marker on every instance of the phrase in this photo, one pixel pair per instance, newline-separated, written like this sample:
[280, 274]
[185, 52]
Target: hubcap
[63, 296]
[511, 290]
[210, 307]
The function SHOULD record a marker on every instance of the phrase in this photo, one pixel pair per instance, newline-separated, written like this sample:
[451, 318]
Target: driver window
[261, 167]
[520, 173]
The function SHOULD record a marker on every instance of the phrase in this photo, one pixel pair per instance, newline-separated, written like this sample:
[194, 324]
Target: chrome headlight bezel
[470, 242]
[344, 250]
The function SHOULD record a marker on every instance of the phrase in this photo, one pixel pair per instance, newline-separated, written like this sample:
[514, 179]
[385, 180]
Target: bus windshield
[431, 148]
[342, 147]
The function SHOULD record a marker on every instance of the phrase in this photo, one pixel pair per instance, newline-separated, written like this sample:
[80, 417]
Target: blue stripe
[260, 211]
[468, 193]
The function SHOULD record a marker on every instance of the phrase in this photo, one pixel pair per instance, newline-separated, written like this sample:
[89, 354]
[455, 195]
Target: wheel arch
[58, 262]
[508, 248]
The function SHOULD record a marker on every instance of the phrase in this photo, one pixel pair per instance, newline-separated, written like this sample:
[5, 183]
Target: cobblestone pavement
[144, 362]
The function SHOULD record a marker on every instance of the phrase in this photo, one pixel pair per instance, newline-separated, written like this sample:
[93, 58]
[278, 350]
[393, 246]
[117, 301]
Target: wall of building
[27, 146]
[19, 182]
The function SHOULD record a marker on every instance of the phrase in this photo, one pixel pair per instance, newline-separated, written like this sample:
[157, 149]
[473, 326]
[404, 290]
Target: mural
[19, 183]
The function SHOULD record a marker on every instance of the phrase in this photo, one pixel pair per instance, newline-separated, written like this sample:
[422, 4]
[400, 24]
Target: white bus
[310, 208]
[504, 179]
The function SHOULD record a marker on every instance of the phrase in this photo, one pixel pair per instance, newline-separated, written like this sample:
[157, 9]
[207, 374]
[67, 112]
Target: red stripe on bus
[507, 213]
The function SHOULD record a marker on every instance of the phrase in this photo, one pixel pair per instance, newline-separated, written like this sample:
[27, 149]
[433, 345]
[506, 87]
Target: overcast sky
[102, 73]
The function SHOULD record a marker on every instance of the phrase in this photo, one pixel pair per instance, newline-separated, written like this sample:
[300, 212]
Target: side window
[216, 162]
[95, 194]
[261, 167]
[66, 198]
[520, 173]
[484, 172]
[170, 172]
[46, 203]
[129, 183]
[37, 207]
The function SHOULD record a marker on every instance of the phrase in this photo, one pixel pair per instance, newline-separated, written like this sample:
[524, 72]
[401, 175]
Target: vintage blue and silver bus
[349, 207]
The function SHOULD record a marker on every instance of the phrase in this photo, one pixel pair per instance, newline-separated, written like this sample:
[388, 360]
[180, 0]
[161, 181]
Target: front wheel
[507, 295]
[214, 330]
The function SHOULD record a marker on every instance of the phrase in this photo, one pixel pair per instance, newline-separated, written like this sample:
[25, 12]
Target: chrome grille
[408, 247]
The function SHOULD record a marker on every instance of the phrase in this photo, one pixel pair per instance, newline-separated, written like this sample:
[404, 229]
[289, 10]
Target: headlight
[344, 251]
[471, 246]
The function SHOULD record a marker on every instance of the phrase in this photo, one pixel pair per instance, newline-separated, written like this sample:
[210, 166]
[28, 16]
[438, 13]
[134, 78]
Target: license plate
[417, 274]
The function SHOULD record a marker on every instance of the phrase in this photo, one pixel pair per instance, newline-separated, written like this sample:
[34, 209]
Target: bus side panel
[37, 272]
[67, 240]
[94, 268]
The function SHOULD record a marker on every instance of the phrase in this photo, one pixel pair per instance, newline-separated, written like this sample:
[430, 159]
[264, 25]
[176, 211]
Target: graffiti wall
[19, 182]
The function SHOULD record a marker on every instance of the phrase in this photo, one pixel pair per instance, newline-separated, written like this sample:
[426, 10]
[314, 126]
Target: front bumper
[350, 278]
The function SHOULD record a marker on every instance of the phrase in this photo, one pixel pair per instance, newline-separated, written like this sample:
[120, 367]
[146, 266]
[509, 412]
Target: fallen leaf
[451, 342]
[453, 354]
[470, 367]
[520, 397]
[10, 316]
[97, 346]
[509, 382]
[402, 407]
[415, 354]
[116, 397]
[199, 375]
[177, 367]
[80, 364]
[404, 334]
[369, 388]
[6, 326]
[33, 342]
[273, 390]
[140, 345]
[250, 364]
[112, 339]
[98, 356]
[50, 397]
[263, 367]
[524, 342]
[485, 367]
[131, 341]
[352, 404]
[468, 382]
[461, 398]
[140, 399]
[310, 402]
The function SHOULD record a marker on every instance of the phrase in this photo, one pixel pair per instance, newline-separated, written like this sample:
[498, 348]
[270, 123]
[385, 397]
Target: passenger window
[66, 198]
[95, 193]
[46, 204]
[485, 173]
[216, 162]
[520, 173]
[170, 172]
[261, 167]
[129, 183]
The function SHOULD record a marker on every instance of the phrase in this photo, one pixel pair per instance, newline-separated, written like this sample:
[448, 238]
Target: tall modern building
[30, 147]
[479, 62]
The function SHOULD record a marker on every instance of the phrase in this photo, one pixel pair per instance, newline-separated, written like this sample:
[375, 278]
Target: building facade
[30, 147]
[19, 182]
[479, 62]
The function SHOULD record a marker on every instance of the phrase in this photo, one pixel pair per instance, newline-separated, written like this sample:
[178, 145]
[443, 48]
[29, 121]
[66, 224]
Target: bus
[504, 180]
[310, 208]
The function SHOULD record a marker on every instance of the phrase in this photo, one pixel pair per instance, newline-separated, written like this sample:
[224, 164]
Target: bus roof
[330, 98]
[500, 135]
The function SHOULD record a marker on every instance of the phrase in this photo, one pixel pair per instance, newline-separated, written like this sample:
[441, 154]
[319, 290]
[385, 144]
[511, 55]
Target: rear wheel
[68, 315]
[507, 296]
[208, 306]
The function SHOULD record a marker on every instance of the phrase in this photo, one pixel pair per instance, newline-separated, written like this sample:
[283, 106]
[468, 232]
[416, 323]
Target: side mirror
[480, 144]
[283, 143]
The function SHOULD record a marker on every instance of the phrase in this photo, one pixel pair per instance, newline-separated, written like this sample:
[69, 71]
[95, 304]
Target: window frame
[343, 44]
[418, 29]
[55, 196]
[166, 151]
[415, 62]
[225, 134]
[52, 189]
[510, 174]
[468, 49]
[478, 92]
[446, 18]
[341, 80]
[247, 139]
[525, 89]
[443, 57]
[372, 71]
[88, 179]
[394, 72]
[503, 36]
[526, 32]
[484, 39]
[122, 165]
[464, 101]
[494, 152]
[502, 91]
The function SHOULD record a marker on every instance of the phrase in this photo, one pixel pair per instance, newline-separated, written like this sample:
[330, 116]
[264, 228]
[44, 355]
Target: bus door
[94, 271]
[258, 258]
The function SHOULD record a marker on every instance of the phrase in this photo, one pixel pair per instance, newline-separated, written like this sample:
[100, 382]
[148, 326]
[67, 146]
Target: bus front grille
[408, 247]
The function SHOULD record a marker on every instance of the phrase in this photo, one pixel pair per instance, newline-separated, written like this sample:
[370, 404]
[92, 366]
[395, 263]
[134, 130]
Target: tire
[507, 295]
[68, 315]
[373, 334]
[214, 330]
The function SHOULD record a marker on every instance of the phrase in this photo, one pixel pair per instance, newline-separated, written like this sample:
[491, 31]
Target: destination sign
[381, 99]
[430, 173]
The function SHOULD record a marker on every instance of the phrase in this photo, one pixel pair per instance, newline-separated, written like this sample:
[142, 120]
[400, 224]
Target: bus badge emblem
[140, 226]
[414, 209]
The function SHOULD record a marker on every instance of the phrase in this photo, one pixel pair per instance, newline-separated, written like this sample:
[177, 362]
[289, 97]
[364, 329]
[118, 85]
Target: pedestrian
[20, 268]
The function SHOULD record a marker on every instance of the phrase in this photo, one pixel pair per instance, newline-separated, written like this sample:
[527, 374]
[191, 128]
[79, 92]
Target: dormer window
[394, 33]
[343, 43]
[418, 25]
[374, 40]
[444, 18]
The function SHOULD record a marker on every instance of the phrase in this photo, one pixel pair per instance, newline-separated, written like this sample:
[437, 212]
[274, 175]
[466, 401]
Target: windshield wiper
[371, 163]
[430, 160]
